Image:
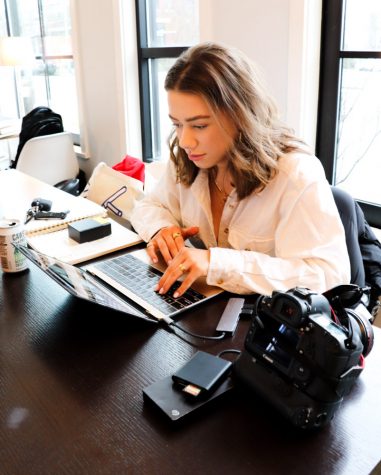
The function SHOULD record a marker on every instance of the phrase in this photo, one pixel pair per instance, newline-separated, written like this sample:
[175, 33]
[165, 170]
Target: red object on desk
[132, 167]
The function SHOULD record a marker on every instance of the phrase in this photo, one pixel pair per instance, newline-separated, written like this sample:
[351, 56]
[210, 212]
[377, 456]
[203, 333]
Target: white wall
[259, 28]
[100, 60]
[281, 36]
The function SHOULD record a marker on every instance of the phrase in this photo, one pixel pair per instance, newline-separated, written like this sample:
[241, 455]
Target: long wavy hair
[230, 85]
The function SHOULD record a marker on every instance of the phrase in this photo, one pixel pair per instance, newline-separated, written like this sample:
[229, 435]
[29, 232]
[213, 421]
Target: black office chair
[46, 151]
[364, 249]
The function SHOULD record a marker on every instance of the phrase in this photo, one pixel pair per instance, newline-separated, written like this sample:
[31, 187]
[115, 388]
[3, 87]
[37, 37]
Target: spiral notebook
[58, 244]
[50, 236]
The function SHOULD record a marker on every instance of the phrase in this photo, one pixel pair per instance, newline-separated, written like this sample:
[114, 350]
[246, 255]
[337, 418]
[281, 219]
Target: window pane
[62, 79]
[359, 130]
[8, 102]
[59, 65]
[172, 22]
[57, 22]
[161, 124]
[34, 91]
[362, 30]
[3, 23]
[54, 79]
[23, 17]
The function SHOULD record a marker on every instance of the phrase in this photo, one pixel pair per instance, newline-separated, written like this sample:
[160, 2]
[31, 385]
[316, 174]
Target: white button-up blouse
[290, 234]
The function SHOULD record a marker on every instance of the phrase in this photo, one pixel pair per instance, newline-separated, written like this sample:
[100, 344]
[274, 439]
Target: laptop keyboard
[140, 279]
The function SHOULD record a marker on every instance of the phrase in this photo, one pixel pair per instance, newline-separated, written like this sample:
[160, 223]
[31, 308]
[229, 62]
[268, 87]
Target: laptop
[125, 283]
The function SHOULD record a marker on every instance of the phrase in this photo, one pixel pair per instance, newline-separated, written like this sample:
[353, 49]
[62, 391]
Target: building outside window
[165, 29]
[50, 81]
[349, 131]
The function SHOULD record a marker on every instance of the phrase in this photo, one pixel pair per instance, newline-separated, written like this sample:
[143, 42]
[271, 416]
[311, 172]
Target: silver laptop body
[132, 275]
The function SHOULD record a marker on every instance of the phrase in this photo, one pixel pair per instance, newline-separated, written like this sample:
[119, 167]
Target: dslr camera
[304, 351]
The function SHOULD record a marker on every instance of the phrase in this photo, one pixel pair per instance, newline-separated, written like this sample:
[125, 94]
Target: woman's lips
[196, 158]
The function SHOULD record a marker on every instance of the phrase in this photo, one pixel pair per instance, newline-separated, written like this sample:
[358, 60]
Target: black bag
[371, 253]
[364, 248]
[39, 121]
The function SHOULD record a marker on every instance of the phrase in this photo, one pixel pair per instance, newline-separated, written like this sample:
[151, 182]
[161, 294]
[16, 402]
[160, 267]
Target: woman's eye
[199, 127]
[176, 126]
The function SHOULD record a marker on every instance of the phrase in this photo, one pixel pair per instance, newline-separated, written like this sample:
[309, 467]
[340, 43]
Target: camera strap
[341, 298]
[341, 315]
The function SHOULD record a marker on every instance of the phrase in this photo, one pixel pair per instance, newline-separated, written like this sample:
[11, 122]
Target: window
[349, 126]
[51, 80]
[8, 102]
[165, 29]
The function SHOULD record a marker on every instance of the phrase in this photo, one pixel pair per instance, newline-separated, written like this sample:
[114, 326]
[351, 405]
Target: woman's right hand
[168, 241]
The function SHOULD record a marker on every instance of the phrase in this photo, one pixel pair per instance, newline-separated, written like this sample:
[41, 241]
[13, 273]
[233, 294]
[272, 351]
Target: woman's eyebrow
[191, 119]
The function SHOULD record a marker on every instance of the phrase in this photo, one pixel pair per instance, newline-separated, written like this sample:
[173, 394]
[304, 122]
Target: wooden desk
[71, 380]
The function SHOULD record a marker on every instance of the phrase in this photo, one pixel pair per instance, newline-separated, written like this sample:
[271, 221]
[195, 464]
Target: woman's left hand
[194, 263]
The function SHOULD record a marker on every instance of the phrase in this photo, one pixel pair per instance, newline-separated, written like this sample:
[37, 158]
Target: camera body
[298, 358]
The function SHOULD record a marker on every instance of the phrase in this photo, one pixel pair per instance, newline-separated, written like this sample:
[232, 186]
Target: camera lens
[362, 326]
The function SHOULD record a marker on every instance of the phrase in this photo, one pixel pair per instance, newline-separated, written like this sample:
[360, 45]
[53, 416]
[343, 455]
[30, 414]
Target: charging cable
[171, 323]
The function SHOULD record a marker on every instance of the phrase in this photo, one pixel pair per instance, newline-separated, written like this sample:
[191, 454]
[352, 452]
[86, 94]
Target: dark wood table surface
[71, 381]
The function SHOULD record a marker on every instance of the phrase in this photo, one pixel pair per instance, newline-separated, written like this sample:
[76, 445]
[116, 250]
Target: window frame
[145, 55]
[331, 56]
[12, 29]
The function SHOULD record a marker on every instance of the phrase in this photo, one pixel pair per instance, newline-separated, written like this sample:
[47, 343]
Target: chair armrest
[70, 186]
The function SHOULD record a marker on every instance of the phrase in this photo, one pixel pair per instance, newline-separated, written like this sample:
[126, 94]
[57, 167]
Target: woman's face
[205, 137]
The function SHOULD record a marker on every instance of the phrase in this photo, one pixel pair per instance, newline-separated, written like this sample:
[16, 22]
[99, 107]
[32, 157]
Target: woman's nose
[186, 138]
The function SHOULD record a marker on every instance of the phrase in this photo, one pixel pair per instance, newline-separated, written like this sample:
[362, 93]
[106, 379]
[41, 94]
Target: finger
[173, 273]
[164, 249]
[174, 241]
[167, 280]
[191, 231]
[178, 240]
[152, 252]
[186, 283]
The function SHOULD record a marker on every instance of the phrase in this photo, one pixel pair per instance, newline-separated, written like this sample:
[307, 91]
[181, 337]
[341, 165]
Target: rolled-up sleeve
[159, 208]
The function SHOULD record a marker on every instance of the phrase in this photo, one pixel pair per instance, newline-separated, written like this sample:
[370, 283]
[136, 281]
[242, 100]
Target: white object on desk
[62, 247]
[50, 236]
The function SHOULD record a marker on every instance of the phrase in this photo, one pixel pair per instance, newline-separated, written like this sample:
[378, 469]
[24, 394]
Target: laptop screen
[79, 283]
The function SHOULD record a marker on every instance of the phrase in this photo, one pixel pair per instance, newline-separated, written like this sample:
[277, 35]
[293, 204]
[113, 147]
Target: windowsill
[80, 153]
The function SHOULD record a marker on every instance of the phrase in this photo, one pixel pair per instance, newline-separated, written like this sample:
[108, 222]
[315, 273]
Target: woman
[253, 202]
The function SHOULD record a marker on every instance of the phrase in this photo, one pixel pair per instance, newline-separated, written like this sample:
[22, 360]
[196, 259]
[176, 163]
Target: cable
[237, 352]
[203, 337]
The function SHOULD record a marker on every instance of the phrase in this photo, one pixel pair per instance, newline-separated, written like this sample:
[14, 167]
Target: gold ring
[182, 268]
[176, 235]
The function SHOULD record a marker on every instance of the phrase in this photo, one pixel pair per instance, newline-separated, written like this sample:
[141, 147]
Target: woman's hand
[192, 262]
[169, 241]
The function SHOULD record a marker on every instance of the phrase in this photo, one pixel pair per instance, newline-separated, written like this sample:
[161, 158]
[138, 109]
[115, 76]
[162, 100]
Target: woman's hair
[228, 83]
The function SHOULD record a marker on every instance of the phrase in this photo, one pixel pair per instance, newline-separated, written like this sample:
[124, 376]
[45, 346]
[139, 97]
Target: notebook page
[60, 246]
